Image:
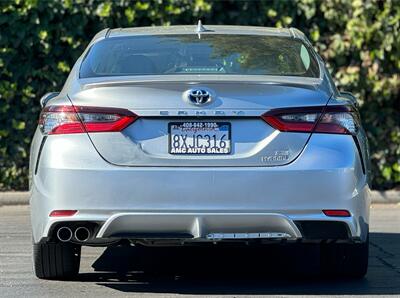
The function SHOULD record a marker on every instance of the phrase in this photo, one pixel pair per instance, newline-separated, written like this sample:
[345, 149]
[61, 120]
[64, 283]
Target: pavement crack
[381, 249]
[387, 264]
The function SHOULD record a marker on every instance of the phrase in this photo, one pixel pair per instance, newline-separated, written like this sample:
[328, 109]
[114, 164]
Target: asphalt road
[123, 271]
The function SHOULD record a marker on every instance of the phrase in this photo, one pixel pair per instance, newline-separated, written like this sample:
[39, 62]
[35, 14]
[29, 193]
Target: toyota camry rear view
[199, 136]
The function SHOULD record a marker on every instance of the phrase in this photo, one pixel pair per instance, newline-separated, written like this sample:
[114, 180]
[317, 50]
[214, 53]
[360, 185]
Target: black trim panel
[40, 154]
[323, 230]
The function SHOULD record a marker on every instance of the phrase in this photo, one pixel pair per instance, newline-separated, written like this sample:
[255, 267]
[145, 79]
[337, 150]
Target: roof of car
[191, 29]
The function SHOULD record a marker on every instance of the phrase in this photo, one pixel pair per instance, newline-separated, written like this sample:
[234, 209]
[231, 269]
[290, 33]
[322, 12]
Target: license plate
[199, 137]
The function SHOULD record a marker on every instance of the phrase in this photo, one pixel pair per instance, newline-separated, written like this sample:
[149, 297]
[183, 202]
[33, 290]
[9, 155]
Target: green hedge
[40, 40]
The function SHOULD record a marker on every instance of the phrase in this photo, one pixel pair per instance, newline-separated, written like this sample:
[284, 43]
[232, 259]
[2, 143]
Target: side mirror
[45, 98]
[350, 96]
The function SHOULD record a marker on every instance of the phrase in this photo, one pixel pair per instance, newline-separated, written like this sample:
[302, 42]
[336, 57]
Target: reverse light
[80, 119]
[336, 213]
[321, 119]
[59, 213]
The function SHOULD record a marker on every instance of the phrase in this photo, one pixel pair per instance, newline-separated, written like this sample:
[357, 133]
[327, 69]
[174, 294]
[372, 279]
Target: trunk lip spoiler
[302, 82]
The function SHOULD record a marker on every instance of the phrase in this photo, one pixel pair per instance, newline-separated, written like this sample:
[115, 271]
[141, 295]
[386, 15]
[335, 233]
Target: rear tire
[348, 260]
[56, 260]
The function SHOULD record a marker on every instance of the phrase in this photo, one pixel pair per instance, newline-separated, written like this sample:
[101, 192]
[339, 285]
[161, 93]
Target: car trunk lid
[237, 107]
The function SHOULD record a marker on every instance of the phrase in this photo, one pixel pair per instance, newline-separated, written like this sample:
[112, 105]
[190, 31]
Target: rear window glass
[189, 54]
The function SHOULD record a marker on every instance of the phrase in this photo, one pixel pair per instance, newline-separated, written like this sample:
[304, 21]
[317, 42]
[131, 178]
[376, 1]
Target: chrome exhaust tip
[82, 234]
[64, 234]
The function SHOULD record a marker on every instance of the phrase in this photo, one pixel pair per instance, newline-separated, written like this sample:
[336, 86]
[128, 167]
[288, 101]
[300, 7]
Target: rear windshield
[209, 54]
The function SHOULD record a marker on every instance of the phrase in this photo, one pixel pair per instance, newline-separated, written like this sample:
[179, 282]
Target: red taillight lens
[79, 119]
[57, 213]
[337, 213]
[330, 119]
[60, 120]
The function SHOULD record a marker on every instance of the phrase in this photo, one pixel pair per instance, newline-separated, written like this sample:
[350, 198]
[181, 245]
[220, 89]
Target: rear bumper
[198, 201]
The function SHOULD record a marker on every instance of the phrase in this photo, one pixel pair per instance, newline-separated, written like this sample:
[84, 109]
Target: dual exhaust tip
[81, 234]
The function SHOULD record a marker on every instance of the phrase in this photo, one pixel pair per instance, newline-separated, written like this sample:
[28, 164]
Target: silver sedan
[188, 135]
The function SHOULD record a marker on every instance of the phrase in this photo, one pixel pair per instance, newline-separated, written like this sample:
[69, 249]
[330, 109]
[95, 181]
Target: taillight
[79, 119]
[329, 119]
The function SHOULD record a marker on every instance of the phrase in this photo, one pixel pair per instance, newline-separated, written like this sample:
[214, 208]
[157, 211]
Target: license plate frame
[201, 126]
